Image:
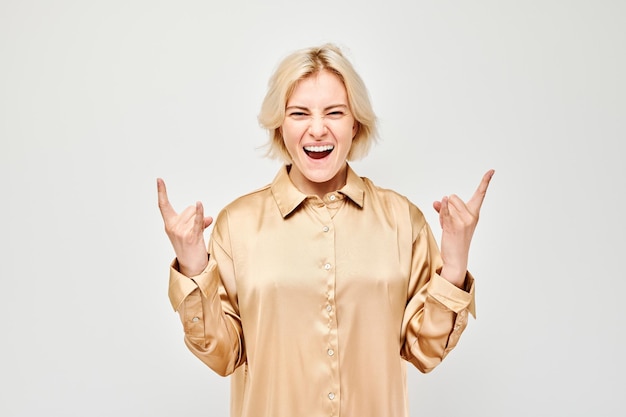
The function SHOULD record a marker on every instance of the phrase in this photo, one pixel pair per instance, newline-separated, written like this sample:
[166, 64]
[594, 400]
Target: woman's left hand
[458, 221]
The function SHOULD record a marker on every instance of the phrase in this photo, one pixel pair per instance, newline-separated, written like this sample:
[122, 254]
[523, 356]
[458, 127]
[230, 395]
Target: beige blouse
[314, 306]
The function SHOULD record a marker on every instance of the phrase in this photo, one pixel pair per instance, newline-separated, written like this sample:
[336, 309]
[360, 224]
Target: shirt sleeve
[437, 311]
[207, 307]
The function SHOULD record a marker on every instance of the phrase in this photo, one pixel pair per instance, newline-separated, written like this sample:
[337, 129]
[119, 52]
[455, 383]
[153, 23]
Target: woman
[318, 287]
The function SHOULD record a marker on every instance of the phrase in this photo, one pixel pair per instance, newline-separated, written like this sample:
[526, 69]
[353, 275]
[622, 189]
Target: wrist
[454, 275]
[191, 269]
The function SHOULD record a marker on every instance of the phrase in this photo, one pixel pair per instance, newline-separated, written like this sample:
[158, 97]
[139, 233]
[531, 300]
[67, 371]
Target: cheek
[290, 138]
[346, 130]
[285, 132]
[292, 132]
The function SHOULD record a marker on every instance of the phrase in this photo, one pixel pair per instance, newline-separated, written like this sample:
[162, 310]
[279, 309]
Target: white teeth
[319, 148]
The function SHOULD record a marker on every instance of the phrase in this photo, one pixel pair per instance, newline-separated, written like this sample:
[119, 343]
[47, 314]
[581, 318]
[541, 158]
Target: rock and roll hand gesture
[186, 232]
[458, 221]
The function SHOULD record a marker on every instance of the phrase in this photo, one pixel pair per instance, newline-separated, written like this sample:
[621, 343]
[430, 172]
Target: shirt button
[329, 308]
[326, 228]
[327, 266]
[330, 352]
[331, 395]
[332, 197]
[195, 319]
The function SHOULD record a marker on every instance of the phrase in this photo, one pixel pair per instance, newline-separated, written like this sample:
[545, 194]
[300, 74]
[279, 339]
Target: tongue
[318, 155]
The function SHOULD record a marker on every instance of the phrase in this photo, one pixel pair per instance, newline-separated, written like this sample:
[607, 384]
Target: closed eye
[297, 114]
[335, 114]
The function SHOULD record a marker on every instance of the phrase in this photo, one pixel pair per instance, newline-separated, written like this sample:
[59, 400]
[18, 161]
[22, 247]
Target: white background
[98, 98]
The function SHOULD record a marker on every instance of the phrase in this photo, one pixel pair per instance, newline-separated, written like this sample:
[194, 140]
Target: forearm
[211, 325]
[434, 320]
[211, 334]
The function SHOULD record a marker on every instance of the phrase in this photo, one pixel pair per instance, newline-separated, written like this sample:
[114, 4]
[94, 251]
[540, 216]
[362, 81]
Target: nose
[317, 128]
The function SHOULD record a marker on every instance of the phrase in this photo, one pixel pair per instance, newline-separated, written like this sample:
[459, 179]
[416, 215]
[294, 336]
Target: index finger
[164, 203]
[479, 195]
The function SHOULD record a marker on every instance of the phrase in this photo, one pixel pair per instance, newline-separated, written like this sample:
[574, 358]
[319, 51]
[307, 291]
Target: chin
[323, 178]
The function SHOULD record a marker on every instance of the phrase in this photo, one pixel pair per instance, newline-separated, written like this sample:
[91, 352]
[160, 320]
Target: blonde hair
[300, 65]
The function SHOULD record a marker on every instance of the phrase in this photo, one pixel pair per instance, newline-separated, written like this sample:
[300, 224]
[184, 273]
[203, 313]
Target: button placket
[328, 309]
[331, 353]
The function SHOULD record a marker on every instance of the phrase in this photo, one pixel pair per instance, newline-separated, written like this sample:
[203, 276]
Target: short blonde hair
[300, 65]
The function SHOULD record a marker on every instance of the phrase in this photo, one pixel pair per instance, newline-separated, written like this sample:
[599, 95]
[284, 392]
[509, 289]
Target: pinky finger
[198, 221]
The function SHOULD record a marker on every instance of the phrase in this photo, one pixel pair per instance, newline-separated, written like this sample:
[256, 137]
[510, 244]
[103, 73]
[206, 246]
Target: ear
[355, 128]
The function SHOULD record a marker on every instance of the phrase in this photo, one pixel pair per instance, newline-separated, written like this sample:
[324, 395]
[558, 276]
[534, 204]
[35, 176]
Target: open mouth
[318, 152]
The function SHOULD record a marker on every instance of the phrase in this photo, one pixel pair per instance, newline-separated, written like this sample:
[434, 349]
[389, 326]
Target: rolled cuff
[451, 296]
[180, 286]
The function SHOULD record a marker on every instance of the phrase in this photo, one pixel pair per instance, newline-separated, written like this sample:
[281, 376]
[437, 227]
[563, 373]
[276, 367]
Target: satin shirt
[314, 306]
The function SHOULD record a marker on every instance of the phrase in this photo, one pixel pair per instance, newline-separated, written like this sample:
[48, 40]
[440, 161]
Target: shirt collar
[354, 188]
[288, 197]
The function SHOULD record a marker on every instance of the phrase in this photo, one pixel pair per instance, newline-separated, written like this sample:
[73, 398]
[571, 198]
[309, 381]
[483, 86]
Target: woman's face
[318, 130]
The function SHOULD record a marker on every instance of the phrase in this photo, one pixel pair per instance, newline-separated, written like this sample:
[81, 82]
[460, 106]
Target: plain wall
[99, 98]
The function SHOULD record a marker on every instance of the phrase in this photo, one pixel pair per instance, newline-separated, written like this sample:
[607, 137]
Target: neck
[319, 189]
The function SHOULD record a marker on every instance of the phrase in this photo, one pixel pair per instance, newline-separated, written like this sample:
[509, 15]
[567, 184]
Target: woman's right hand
[186, 232]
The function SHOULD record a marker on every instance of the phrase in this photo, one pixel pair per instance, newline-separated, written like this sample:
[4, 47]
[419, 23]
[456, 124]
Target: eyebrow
[334, 106]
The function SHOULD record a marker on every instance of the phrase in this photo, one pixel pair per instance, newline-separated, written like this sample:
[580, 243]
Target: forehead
[323, 86]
